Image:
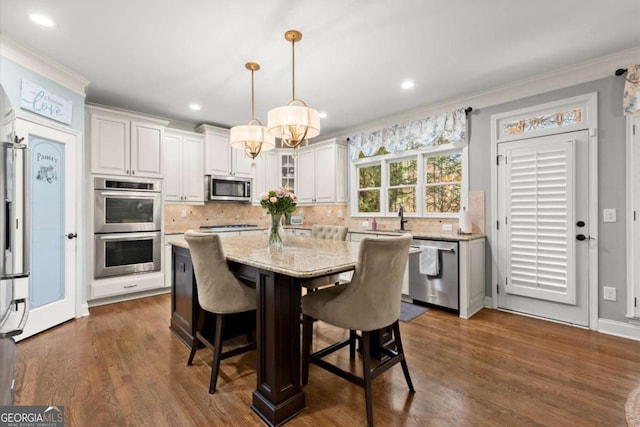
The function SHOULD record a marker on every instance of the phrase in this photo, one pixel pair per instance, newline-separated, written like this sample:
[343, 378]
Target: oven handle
[129, 236]
[130, 194]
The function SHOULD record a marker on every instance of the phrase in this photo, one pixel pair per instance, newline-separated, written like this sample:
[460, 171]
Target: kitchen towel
[430, 261]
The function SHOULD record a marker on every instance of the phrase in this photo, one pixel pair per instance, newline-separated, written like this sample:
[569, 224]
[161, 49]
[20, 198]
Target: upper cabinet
[321, 173]
[220, 158]
[123, 144]
[183, 167]
[287, 170]
[265, 174]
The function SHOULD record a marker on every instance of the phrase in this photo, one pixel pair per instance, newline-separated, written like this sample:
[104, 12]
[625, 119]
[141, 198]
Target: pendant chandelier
[295, 122]
[252, 138]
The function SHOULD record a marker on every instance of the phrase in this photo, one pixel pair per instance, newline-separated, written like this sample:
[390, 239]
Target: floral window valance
[424, 133]
[632, 90]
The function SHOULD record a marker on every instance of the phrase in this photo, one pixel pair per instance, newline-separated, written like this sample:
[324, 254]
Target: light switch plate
[609, 293]
[609, 215]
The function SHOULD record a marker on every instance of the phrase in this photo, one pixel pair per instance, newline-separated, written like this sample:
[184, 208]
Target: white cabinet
[321, 173]
[219, 157]
[287, 170]
[260, 232]
[472, 286]
[265, 174]
[184, 176]
[123, 144]
[357, 237]
[300, 232]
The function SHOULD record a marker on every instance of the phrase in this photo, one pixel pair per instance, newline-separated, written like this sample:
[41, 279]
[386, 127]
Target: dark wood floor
[122, 366]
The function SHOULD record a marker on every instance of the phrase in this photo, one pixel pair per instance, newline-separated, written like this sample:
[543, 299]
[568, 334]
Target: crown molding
[97, 108]
[564, 77]
[40, 64]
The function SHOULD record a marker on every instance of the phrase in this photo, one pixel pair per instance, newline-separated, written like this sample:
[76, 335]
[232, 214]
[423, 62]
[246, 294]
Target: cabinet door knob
[127, 171]
[133, 172]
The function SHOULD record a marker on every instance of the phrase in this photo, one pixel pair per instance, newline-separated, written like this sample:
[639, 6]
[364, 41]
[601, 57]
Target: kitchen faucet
[401, 215]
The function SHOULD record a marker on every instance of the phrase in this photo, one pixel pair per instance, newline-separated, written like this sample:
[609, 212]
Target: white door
[53, 227]
[635, 211]
[543, 260]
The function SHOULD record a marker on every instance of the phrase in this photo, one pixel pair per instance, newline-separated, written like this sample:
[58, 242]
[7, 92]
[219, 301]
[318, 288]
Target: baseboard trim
[619, 329]
[84, 311]
[127, 297]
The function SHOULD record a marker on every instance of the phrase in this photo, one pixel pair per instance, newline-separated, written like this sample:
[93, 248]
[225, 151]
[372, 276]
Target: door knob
[582, 237]
[71, 236]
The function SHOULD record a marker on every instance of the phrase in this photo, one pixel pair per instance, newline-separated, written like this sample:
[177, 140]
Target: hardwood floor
[122, 366]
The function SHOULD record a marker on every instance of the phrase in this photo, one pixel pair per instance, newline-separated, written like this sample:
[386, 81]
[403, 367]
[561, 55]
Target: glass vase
[275, 233]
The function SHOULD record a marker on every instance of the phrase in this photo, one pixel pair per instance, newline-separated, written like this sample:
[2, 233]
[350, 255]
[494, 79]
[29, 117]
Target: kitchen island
[279, 396]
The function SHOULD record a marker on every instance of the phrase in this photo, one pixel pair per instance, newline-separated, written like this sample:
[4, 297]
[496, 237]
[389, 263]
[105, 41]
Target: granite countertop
[300, 257]
[453, 237]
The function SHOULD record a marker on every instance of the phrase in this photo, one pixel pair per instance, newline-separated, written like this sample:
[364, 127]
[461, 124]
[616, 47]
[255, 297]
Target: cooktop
[226, 226]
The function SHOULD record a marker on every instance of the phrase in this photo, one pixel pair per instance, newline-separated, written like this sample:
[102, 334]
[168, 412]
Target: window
[443, 182]
[543, 121]
[427, 183]
[403, 179]
[369, 186]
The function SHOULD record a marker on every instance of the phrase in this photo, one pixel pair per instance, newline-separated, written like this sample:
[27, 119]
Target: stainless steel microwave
[227, 188]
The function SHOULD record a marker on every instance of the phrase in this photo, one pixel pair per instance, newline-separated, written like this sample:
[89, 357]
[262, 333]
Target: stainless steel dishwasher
[442, 289]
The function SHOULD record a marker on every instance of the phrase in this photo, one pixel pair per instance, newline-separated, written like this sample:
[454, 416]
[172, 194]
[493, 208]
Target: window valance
[424, 133]
[632, 90]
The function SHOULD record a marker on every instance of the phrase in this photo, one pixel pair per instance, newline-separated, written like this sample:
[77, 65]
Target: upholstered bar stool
[371, 301]
[220, 293]
[329, 232]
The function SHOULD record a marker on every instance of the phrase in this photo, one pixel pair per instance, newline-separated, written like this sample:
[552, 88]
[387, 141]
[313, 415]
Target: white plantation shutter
[539, 208]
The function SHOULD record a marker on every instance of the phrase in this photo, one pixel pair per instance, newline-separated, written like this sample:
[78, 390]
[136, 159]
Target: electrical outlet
[609, 293]
[340, 214]
[365, 223]
[183, 213]
[609, 215]
[329, 211]
[447, 227]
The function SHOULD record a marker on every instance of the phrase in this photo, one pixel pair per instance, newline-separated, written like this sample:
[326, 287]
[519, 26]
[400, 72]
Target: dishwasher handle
[452, 250]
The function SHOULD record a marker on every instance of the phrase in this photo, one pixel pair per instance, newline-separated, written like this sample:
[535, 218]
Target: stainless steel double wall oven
[127, 223]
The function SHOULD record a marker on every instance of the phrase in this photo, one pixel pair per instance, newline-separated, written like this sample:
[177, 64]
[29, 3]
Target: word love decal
[40, 101]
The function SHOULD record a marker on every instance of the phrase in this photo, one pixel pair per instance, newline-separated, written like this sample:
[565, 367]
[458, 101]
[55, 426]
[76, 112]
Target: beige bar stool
[371, 301]
[329, 232]
[220, 293]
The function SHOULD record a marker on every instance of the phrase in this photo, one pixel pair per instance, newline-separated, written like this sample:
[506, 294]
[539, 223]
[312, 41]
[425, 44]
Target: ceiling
[159, 56]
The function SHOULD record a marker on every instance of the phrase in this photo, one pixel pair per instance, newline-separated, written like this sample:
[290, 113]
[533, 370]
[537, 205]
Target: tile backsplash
[239, 213]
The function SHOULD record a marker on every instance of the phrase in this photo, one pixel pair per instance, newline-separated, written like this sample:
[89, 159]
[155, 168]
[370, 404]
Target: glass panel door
[47, 221]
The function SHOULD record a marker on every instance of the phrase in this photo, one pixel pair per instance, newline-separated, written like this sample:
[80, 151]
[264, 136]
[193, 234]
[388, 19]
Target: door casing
[589, 103]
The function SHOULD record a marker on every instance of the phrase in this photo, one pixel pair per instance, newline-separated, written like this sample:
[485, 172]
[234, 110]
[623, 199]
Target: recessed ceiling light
[407, 84]
[41, 19]
[195, 107]
[323, 115]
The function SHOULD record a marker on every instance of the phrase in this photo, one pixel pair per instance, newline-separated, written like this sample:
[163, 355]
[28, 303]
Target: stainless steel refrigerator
[14, 237]
[14, 258]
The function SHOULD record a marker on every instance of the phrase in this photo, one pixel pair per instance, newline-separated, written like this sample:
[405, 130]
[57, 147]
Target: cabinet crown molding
[100, 109]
